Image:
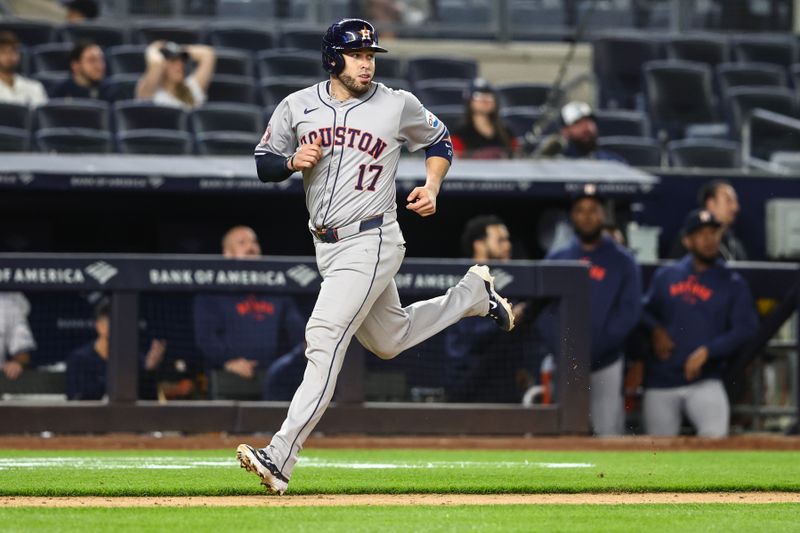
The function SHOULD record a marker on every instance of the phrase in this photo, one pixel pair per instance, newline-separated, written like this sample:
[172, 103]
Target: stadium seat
[250, 38]
[24, 65]
[104, 35]
[302, 39]
[274, 64]
[123, 86]
[29, 32]
[679, 94]
[73, 140]
[617, 64]
[523, 94]
[126, 59]
[750, 74]
[15, 127]
[223, 117]
[778, 50]
[272, 92]
[527, 17]
[451, 115]
[51, 57]
[766, 139]
[637, 151]
[463, 12]
[51, 80]
[604, 16]
[73, 113]
[226, 143]
[394, 83]
[422, 68]
[236, 89]
[252, 9]
[14, 139]
[710, 49]
[704, 153]
[15, 116]
[390, 67]
[155, 141]
[617, 122]
[147, 32]
[134, 115]
[435, 93]
[233, 62]
[521, 120]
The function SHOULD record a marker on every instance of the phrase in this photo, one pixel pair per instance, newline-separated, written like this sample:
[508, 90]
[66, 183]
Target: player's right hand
[662, 343]
[307, 155]
[242, 367]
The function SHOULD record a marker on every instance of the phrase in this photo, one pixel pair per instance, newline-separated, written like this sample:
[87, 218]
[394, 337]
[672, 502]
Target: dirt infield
[217, 441]
[405, 499]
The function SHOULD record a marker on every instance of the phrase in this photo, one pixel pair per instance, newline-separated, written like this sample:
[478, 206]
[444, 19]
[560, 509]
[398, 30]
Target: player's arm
[206, 59]
[422, 200]
[148, 84]
[277, 155]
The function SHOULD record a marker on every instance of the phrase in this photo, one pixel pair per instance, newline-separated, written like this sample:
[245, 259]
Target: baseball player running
[345, 135]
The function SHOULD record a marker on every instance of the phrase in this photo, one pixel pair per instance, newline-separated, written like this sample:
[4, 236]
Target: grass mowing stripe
[728, 518]
[437, 471]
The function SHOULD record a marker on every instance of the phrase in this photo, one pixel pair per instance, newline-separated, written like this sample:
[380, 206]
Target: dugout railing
[125, 277]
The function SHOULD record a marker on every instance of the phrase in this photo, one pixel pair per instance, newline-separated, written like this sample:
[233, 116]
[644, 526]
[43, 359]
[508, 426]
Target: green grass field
[171, 473]
[179, 473]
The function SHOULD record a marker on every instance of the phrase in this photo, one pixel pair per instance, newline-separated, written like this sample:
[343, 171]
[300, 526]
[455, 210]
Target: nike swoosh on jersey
[306, 111]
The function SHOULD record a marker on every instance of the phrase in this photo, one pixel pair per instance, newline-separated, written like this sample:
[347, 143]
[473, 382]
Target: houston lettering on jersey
[348, 137]
[690, 290]
[256, 309]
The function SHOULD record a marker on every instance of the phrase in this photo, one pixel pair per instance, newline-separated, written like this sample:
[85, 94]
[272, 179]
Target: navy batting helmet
[347, 34]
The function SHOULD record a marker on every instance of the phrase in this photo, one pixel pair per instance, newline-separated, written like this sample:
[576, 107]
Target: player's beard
[353, 85]
[590, 237]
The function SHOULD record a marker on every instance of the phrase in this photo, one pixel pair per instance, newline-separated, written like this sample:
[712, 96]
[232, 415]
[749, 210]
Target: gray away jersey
[361, 141]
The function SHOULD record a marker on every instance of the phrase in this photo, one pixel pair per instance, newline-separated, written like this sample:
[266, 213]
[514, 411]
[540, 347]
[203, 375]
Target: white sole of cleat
[248, 462]
[482, 271]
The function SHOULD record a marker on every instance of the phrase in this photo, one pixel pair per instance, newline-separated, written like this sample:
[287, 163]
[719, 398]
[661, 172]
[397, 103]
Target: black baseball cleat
[258, 462]
[499, 308]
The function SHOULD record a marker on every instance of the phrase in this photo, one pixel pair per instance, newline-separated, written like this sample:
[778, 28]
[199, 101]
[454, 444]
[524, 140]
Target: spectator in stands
[720, 199]
[482, 135]
[482, 366]
[245, 333]
[577, 138]
[88, 74]
[86, 366]
[615, 308]
[81, 10]
[13, 87]
[165, 81]
[699, 312]
[16, 339]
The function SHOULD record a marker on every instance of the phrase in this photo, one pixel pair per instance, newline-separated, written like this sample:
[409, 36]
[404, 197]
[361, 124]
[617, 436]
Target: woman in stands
[482, 135]
[165, 81]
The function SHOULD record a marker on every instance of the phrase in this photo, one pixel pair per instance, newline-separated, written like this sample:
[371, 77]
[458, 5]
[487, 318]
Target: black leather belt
[331, 235]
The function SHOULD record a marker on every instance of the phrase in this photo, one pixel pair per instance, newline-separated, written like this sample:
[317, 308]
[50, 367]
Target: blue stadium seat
[104, 35]
[302, 38]
[73, 113]
[618, 122]
[750, 74]
[155, 141]
[234, 34]
[436, 93]
[390, 67]
[235, 89]
[776, 49]
[233, 62]
[705, 153]
[617, 64]
[136, 114]
[424, 68]
[51, 57]
[679, 94]
[273, 91]
[227, 117]
[126, 59]
[637, 151]
[274, 64]
[14, 139]
[226, 143]
[523, 94]
[29, 32]
[149, 31]
[15, 127]
[73, 141]
[711, 49]
[123, 86]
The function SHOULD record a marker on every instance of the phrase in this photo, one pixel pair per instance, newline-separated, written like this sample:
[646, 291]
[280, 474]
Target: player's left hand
[12, 370]
[422, 201]
[695, 363]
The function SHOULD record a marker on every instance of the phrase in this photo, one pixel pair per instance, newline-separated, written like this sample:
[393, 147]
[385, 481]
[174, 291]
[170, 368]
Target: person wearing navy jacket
[699, 313]
[245, 333]
[615, 308]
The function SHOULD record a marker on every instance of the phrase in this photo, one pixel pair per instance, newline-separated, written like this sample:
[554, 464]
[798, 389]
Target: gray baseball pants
[607, 409]
[358, 297]
[705, 404]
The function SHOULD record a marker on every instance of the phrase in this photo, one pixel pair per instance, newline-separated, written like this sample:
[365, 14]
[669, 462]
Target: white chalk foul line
[182, 463]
